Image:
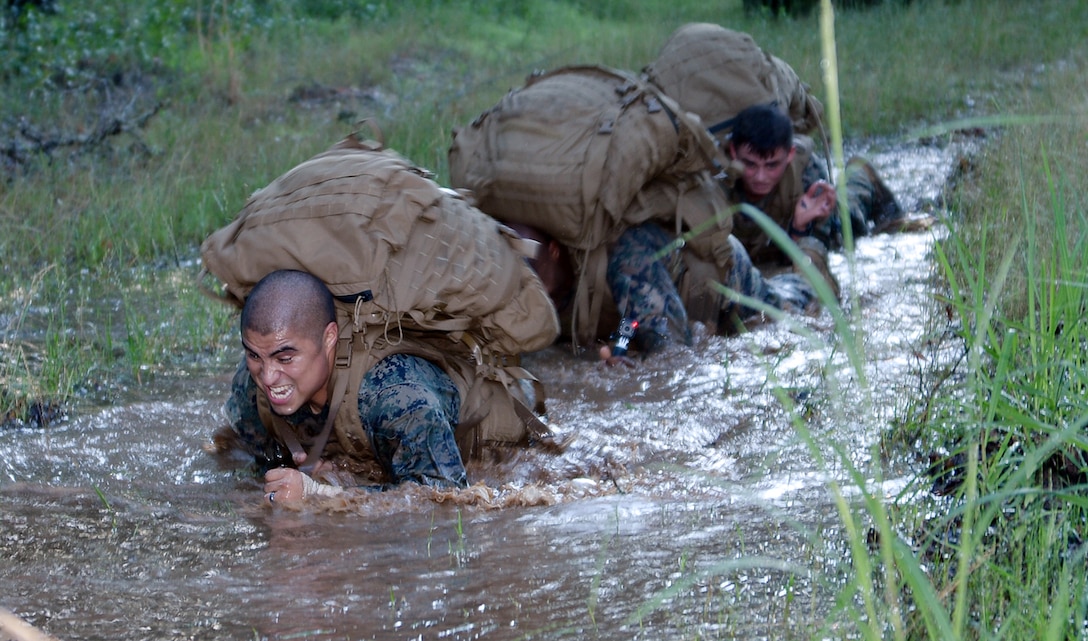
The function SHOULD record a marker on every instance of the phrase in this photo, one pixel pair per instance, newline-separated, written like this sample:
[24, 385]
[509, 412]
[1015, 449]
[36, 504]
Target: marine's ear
[330, 336]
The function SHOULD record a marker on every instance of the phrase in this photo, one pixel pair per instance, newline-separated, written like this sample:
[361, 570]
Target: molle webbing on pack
[717, 72]
[383, 235]
[570, 152]
[414, 269]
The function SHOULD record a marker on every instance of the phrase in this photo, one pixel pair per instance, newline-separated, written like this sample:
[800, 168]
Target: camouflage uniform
[645, 268]
[787, 291]
[642, 277]
[408, 407]
[871, 204]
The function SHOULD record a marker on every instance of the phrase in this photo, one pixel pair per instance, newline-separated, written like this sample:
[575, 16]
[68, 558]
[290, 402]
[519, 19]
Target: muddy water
[687, 506]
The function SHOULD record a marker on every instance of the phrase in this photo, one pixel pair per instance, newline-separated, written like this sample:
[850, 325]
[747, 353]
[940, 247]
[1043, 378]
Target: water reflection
[687, 506]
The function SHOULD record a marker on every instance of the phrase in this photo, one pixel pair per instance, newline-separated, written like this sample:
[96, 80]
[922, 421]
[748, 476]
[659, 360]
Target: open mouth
[280, 393]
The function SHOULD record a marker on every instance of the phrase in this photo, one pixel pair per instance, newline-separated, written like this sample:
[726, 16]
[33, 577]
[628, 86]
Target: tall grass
[1003, 555]
[1017, 431]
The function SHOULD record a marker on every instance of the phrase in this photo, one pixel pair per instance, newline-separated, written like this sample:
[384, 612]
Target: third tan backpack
[717, 72]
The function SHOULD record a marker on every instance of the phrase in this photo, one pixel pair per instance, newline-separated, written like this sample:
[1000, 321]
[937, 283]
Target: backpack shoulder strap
[278, 427]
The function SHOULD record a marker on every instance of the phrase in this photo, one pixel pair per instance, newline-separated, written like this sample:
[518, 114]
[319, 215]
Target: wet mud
[688, 504]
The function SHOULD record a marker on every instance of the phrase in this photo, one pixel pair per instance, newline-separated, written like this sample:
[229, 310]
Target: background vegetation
[130, 130]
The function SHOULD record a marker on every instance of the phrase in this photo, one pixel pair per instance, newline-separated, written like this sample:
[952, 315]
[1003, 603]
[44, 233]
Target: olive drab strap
[378, 136]
[278, 427]
[498, 374]
[503, 368]
[589, 297]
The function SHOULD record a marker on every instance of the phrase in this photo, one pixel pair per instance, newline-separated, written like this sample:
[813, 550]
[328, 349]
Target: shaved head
[289, 301]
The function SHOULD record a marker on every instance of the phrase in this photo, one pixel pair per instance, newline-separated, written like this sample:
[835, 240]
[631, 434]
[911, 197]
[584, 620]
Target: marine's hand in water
[283, 485]
[287, 485]
[608, 360]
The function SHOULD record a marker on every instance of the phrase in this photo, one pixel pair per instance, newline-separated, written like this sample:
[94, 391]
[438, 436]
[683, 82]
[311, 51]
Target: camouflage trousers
[642, 272]
[645, 267]
[788, 291]
[409, 408]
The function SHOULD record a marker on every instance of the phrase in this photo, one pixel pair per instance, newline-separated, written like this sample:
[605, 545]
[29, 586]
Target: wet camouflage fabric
[867, 200]
[814, 170]
[644, 269]
[408, 407]
[787, 291]
[642, 276]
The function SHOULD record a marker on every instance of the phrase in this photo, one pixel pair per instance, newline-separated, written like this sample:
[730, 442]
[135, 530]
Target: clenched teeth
[279, 392]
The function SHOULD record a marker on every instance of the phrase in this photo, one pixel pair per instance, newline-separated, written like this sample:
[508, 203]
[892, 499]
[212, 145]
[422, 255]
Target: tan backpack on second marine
[584, 152]
[717, 72]
[569, 151]
[414, 269]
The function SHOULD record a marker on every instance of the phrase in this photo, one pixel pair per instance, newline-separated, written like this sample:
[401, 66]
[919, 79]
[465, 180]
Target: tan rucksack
[414, 269]
[717, 72]
[571, 153]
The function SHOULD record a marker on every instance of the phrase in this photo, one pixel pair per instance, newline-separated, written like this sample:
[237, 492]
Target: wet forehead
[749, 155]
[278, 341]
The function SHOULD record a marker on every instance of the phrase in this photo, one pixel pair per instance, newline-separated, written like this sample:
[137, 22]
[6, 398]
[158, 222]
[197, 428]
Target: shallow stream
[688, 506]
